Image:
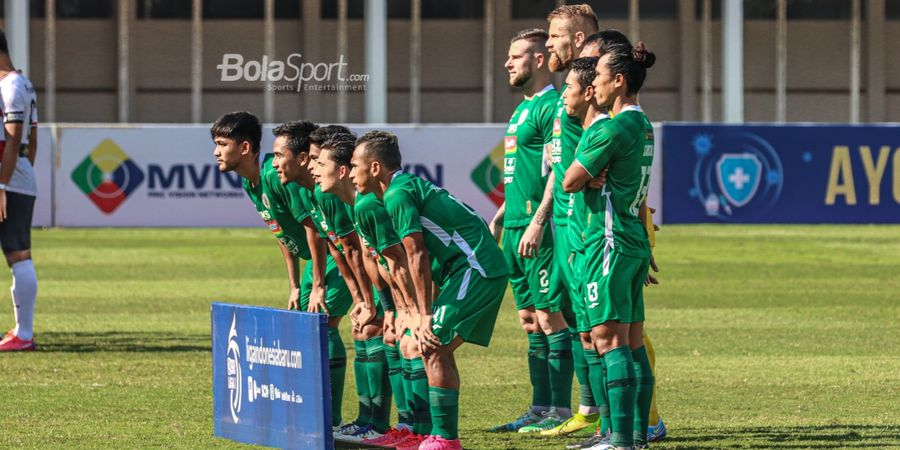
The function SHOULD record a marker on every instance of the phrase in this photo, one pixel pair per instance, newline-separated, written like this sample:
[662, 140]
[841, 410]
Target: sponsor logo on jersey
[557, 127]
[274, 227]
[107, 176]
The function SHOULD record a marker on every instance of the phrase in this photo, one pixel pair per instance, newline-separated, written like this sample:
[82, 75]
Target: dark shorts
[15, 231]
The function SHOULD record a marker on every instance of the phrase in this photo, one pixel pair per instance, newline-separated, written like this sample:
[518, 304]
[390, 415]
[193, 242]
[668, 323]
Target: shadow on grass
[822, 436]
[122, 341]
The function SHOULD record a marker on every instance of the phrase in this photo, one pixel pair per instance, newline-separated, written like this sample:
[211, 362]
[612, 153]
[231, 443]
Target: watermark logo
[233, 366]
[107, 176]
[488, 174]
[292, 74]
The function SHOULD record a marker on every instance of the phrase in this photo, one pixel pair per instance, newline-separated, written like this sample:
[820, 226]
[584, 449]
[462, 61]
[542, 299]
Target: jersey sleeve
[295, 202]
[403, 212]
[14, 99]
[546, 116]
[375, 220]
[339, 213]
[597, 153]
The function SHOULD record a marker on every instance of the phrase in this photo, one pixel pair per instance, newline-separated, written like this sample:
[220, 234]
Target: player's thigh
[578, 300]
[306, 282]
[641, 268]
[467, 307]
[15, 231]
[518, 279]
[337, 295]
[561, 275]
[608, 285]
[538, 271]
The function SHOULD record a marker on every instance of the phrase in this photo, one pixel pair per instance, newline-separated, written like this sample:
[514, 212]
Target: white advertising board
[165, 176]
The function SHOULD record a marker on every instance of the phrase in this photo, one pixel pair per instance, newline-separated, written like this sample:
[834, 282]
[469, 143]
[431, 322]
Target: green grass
[766, 337]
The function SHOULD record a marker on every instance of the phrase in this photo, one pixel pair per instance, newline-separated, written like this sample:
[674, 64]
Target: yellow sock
[654, 413]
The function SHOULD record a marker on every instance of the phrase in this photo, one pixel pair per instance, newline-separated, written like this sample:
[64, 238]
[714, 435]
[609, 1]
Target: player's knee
[586, 341]
[16, 256]
[529, 321]
[601, 337]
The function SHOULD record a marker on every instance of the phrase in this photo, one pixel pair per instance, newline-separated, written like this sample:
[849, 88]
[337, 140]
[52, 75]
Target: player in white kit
[18, 190]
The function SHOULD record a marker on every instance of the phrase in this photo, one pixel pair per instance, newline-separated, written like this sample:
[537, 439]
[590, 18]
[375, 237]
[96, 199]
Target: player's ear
[246, 147]
[579, 39]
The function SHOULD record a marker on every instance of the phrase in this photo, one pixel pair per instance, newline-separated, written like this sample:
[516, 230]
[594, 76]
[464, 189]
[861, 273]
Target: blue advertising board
[270, 377]
[781, 173]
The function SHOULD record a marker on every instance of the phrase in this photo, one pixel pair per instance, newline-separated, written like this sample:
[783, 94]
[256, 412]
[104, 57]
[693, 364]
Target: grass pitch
[766, 337]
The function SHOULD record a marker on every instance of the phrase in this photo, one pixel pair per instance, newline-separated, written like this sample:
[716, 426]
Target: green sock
[379, 384]
[444, 412]
[621, 389]
[421, 409]
[559, 360]
[643, 374]
[337, 360]
[585, 394]
[360, 375]
[538, 369]
[598, 386]
[395, 373]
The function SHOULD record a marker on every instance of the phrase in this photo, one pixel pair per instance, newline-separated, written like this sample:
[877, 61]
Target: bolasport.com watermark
[292, 74]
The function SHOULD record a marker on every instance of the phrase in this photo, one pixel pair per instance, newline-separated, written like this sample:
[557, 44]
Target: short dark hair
[240, 126]
[341, 146]
[533, 35]
[607, 38]
[297, 135]
[319, 136]
[384, 147]
[4, 46]
[585, 70]
[632, 63]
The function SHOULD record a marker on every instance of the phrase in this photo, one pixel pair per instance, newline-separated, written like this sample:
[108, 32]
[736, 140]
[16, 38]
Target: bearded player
[527, 239]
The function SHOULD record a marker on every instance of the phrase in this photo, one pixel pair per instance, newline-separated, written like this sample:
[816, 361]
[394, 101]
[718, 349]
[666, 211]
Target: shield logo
[738, 175]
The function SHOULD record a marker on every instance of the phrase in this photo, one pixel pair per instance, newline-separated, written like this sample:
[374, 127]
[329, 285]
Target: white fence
[165, 175]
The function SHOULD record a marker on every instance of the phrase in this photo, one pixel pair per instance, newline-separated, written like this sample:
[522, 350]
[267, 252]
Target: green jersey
[624, 144]
[272, 201]
[524, 176]
[303, 204]
[374, 225]
[576, 210]
[335, 217]
[455, 235]
[566, 134]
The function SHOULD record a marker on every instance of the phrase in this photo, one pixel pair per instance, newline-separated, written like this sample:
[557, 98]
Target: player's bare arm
[577, 178]
[292, 263]
[32, 143]
[353, 255]
[317, 249]
[496, 225]
[531, 240]
[419, 263]
[9, 159]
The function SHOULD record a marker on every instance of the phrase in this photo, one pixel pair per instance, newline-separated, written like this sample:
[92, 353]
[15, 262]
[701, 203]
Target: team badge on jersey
[265, 201]
[513, 126]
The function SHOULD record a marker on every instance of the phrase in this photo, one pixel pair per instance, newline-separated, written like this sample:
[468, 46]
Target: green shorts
[614, 285]
[467, 307]
[337, 297]
[561, 275]
[530, 278]
[576, 292]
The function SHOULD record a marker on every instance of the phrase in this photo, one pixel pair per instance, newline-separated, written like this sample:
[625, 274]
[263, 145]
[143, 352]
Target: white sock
[587, 410]
[24, 292]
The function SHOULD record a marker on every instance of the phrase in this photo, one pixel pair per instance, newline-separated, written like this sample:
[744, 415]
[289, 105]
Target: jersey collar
[545, 89]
